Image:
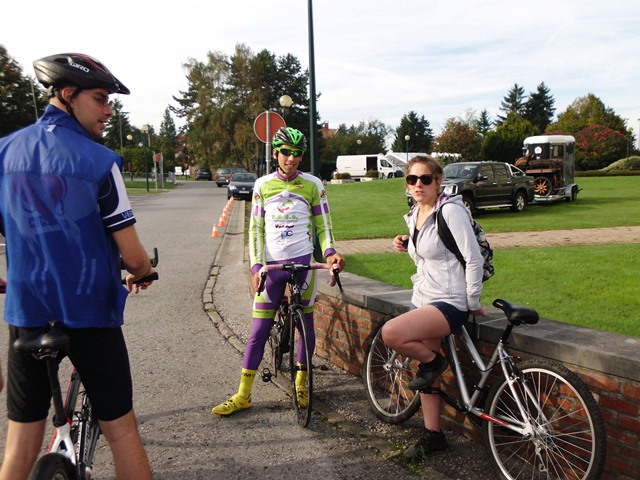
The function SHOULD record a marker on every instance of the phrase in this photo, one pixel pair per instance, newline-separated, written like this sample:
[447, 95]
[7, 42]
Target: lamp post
[313, 127]
[145, 129]
[639, 134]
[129, 138]
[406, 146]
[359, 142]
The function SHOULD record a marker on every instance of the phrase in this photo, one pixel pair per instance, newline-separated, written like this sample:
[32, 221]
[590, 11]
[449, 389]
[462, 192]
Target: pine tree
[539, 108]
[512, 103]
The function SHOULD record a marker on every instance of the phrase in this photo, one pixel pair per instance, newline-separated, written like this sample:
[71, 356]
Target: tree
[22, 100]
[483, 123]
[364, 138]
[586, 111]
[539, 108]
[226, 94]
[168, 140]
[512, 104]
[118, 127]
[419, 131]
[461, 136]
[505, 143]
[598, 146]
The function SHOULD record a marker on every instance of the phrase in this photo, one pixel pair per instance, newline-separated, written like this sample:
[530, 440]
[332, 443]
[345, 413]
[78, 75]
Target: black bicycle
[539, 419]
[289, 336]
[73, 446]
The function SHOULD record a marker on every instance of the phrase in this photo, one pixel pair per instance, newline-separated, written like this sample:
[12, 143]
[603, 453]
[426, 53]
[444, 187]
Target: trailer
[550, 159]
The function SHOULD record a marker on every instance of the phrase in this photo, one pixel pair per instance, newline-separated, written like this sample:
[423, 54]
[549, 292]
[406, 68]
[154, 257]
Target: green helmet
[289, 136]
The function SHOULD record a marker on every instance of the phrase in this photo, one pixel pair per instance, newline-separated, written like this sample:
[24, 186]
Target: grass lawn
[593, 286]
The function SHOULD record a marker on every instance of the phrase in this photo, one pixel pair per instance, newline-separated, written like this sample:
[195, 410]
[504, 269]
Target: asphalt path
[182, 365]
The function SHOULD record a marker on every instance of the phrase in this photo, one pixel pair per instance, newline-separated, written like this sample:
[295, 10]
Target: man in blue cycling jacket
[67, 221]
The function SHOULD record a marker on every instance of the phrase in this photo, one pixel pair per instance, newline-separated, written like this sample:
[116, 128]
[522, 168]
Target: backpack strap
[447, 238]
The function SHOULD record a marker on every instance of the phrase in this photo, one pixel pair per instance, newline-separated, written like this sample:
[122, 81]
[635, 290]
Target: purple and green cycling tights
[266, 304]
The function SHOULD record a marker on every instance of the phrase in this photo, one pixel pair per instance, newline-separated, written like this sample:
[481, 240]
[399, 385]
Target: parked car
[204, 173]
[241, 186]
[223, 175]
[487, 185]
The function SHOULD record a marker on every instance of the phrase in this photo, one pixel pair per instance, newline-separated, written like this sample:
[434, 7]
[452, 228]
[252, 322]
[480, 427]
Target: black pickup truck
[488, 185]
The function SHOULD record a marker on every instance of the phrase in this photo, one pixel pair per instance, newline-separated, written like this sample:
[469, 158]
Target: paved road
[182, 365]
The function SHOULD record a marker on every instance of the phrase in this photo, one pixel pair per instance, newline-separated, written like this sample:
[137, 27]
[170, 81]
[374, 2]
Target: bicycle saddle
[517, 314]
[46, 340]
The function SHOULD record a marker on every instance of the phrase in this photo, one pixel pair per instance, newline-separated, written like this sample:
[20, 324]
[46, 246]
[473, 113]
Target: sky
[374, 59]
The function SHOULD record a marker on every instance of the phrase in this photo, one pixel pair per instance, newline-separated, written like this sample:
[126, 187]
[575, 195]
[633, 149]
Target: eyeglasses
[288, 151]
[413, 179]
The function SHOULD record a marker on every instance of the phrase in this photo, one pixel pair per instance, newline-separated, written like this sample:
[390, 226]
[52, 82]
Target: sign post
[264, 125]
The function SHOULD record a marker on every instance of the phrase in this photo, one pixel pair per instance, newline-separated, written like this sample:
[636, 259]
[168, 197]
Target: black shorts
[456, 318]
[101, 358]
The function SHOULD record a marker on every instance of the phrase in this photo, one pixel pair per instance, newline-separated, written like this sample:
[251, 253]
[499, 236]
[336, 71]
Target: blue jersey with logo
[61, 194]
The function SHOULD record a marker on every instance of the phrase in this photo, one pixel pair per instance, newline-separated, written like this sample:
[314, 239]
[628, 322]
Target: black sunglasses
[288, 151]
[413, 179]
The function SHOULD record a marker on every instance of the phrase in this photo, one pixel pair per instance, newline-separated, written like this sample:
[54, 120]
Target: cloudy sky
[374, 59]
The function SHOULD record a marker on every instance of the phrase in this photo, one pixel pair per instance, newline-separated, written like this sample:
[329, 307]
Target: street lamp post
[145, 129]
[406, 146]
[313, 126]
[129, 138]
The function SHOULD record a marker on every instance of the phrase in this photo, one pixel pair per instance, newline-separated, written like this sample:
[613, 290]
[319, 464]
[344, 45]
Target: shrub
[371, 174]
[342, 176]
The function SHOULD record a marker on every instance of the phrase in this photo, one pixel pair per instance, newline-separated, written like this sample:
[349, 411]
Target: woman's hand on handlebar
[400, 243]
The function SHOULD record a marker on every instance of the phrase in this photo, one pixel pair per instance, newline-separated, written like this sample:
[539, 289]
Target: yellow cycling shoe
[234, 404]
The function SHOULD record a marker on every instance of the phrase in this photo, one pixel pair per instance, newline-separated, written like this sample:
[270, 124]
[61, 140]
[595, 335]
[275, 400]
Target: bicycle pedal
[266, 375]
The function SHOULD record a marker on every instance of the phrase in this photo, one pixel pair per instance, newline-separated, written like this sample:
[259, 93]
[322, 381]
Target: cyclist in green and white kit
[286, 206]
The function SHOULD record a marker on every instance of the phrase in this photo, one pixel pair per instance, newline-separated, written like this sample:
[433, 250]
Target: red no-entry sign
[265, 132]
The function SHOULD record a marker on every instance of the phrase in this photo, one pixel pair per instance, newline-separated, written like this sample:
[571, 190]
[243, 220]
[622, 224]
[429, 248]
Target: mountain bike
[71, 451]
[288, 335]
[539, 420]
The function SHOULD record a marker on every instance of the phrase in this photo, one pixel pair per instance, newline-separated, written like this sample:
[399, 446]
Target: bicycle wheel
[568, 438]
[301, 368]
[386, 377]
[278, 341]
[53, 466]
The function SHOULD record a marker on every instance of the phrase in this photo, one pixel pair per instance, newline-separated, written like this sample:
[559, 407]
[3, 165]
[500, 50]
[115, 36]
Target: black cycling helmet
[289, 136]
[77, 69]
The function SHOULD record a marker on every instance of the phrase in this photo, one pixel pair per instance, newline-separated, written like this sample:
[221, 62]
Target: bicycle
[71, 450]
[539, 420]
[289, 335]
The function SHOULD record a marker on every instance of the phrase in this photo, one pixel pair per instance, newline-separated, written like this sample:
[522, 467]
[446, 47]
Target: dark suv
[223, 175]
[204, 173]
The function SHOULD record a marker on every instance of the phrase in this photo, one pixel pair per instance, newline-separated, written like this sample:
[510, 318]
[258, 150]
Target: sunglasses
[413, 179]
[288, 151]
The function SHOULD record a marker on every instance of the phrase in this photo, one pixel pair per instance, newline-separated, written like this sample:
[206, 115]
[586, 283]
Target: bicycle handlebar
[296, 267]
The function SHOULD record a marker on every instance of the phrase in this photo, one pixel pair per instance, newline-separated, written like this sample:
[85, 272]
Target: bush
[342, 176]
[371, 174]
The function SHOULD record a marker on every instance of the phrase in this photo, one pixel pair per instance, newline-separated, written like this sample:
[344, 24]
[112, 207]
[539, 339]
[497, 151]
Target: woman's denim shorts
[456, 318]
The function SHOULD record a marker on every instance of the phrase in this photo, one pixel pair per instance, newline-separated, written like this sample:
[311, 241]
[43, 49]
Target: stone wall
[608, 363]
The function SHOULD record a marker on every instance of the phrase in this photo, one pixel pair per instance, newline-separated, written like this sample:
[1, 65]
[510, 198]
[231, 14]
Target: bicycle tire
[53, 466]
[298, 330]
[278, 338]
[389, 396]
[569, 438]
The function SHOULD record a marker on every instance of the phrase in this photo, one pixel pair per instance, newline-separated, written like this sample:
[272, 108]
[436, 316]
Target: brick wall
[608, 363]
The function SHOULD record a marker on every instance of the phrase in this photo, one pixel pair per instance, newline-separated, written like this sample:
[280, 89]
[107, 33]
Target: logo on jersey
[285, 206]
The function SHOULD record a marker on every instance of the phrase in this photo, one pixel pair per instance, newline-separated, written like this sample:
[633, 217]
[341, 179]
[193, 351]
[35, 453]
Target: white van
[358, 165]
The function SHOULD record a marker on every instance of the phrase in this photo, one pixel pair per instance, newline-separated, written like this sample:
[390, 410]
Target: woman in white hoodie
[444, 292]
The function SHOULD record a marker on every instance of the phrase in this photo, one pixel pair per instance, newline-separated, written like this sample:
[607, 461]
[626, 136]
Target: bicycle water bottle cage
[517, 314]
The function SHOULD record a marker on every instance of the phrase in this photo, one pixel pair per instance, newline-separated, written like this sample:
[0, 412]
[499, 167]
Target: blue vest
[56, 190]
